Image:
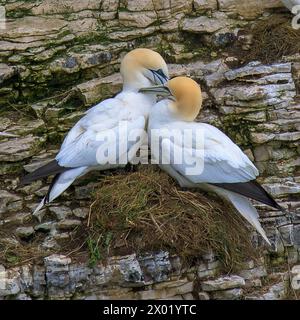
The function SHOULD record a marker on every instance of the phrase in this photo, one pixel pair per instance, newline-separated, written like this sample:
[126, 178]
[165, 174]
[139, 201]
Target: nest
[145, 210]
[273, 39]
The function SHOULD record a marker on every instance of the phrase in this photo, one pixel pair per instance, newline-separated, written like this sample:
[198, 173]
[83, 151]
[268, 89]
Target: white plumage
[290, 4]
[129, 109]
[79, 149]
[107, 136]
[222, 160]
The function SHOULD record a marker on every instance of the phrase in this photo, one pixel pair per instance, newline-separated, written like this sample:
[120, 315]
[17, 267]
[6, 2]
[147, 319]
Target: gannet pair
[79, 152]
[225, 169]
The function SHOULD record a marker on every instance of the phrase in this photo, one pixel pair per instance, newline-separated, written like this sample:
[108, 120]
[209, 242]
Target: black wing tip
[251, 189]
[47, 197]
[272, 202]
[27, 179]
[51, 168]
[279, 207]
[23, 182]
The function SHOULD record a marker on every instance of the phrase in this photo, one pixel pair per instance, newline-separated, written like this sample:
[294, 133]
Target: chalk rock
[223, 283]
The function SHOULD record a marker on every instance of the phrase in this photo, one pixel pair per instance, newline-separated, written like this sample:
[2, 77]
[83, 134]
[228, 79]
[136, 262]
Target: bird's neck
[137, 102]
[160, 112]
[135, 81]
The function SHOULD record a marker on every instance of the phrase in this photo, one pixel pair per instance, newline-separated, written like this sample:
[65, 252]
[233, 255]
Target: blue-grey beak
[161, 90]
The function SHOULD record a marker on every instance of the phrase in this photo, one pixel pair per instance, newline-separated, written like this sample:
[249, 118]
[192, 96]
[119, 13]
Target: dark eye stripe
[159, 74]
[160, 79]
[154, 75]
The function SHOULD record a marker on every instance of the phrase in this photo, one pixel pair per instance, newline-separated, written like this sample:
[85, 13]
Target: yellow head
[188, 97]
[185, 94]
[143, 67]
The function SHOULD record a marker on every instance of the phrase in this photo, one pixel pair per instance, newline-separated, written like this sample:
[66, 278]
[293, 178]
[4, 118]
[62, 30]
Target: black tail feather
[47, 197]
[251, 189]
[51, 168]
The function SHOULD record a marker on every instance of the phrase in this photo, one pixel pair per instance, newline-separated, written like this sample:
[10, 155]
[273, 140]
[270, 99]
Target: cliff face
[58, 58]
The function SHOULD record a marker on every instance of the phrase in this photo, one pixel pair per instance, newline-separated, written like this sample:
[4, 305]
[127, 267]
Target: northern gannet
[223, 167]
[79, 152]
[290, 4]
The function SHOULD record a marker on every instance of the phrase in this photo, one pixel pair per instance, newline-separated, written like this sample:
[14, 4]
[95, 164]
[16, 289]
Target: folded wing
[222, 160]
[221, 163]
[107, 125]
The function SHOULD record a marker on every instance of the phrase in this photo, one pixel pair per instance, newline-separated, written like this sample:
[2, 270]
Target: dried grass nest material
[146, 210]
[142, 210]
[273, 39]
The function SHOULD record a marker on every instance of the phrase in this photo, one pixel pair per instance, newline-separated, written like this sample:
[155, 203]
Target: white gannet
[79, 151]
[226, 170]
[290, 4]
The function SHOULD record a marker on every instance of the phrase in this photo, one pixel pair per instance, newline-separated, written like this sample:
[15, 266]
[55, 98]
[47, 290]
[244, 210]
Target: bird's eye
[158, 76]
